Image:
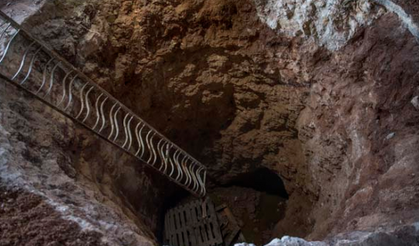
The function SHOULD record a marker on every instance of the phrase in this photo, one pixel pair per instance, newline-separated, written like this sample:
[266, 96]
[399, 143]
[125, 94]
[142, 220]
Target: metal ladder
[28, 64]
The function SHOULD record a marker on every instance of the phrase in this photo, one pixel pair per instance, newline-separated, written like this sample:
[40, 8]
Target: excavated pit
[308, 127]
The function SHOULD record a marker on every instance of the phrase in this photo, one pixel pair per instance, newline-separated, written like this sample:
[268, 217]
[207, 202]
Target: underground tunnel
[194, 123]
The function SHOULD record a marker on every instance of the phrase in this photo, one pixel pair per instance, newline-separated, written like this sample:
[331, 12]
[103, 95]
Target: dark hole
[263, 180]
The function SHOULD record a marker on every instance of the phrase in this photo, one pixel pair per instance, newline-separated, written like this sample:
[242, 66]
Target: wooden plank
[184, 226]
[230, 238]
[190, 223]
[176, 220]
[169, 227]
[173, 228]
[166, 228]
[204, 233]
[198, 207]
[181, 229]
[198, 235]
[181, 225]
[182, 218]
[230, 216]
[215, 225]
[198, 229]
[211, 237]
[221, 207]
[193, 215]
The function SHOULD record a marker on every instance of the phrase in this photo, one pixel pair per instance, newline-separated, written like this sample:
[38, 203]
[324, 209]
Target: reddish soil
[26, 219]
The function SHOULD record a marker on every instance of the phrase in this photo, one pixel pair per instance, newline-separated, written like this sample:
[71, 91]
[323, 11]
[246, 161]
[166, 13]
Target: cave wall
[321, 92]
[210, 76]
[52, 163]
[360, 130]
[86, 180]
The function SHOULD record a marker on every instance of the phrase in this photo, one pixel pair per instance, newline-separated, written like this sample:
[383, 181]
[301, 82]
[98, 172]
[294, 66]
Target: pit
[305, 132]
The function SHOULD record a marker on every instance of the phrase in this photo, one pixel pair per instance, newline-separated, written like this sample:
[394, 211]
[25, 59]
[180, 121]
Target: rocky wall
[321, 92]
[95, 190]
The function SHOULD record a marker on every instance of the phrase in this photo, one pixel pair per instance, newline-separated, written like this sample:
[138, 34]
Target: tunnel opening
[263, 180]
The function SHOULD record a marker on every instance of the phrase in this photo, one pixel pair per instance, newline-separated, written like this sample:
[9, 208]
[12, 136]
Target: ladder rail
[82, 106]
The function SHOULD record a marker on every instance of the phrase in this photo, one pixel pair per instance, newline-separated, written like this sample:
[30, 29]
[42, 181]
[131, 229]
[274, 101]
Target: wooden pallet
[186, 225]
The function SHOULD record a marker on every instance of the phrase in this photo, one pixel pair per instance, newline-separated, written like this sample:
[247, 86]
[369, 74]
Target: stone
[415, 102]
[293, 241]
[390, 136]
[314, 18]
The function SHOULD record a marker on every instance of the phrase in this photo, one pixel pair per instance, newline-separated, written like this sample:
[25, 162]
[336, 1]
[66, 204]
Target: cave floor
[255, 212]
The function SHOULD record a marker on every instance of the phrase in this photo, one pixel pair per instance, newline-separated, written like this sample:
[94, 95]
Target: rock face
[101, 195]
[367, 141]
[19, 208]
[49, 163]
[330, 23]
[321, 92]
